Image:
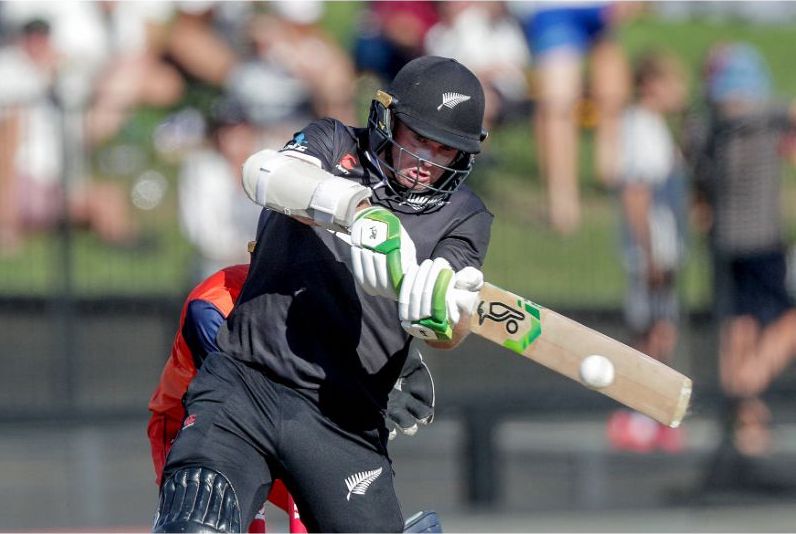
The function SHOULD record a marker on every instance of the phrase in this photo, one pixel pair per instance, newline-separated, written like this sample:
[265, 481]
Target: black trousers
[253, 429]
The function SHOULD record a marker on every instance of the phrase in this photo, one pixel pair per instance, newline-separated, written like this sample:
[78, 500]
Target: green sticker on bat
[511, 317]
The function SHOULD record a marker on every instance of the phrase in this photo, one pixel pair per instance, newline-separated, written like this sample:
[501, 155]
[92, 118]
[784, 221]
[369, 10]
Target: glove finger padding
[434, 297]
[422, 301]
[358, 267]
[410, 299]
[381, 251]
[374, 272]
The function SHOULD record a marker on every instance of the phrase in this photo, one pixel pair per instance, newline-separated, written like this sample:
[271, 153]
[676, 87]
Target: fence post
[480, 461]
[64, 310]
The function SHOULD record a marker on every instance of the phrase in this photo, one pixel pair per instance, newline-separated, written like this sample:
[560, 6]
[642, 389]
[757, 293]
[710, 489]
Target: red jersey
[220, 290]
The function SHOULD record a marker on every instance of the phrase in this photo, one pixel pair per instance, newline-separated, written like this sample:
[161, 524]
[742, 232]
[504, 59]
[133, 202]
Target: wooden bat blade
[559, 343]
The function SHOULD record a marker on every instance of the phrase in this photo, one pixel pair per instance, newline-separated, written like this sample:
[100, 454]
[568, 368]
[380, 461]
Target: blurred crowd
[235, 77]
[204, 64]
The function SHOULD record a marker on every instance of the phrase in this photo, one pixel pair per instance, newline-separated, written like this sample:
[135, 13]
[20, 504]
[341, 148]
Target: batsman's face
[419, 162]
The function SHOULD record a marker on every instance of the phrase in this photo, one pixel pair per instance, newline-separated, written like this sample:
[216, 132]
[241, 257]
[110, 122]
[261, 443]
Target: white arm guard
[295, 185]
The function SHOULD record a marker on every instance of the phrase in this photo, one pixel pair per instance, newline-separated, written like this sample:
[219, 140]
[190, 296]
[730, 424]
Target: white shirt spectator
[649, 156]
[77, 35]
[215, 213]
[129, 22]
[484, 43]
[23, 93]
[647, 151]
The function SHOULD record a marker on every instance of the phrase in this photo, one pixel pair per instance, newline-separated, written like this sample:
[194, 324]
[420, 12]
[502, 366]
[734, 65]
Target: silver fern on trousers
[360, 482]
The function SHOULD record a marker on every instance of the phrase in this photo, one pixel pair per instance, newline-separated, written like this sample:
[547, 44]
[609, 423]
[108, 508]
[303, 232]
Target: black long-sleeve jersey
[300, 316]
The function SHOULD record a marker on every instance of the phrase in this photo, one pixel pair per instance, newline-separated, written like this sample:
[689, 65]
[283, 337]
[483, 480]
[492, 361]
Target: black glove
[411, 401]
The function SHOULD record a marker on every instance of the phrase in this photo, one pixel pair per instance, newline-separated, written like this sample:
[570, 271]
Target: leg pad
[197, 499]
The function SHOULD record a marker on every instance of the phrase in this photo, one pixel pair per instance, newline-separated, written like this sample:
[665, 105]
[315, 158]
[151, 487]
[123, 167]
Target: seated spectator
[470, 32]
[33, 193]
[134, 73]
[391, 34]
[206, 39]
[163, 54]
[238, 50]
[291, 39]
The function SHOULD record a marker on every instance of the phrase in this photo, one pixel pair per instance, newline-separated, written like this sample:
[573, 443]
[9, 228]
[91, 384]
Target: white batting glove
[381, 252]
[433, 299]
[467, 283]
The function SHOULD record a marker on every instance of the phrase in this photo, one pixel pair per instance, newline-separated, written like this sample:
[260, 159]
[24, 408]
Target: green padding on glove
[390, 246]
[381, 252]
[394, 269]
[438, 322]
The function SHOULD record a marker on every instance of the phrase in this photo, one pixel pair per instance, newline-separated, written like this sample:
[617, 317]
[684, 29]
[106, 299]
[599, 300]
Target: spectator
[216, 47]
[560, 36]
[290, 39]
[652, 198]
[215, 214]
[206, 39]
[737, 155]
[470, 32]
[210, 45]
[391, 34]
[235, 49]
[76, 32]
[32, 192]
[134, 73]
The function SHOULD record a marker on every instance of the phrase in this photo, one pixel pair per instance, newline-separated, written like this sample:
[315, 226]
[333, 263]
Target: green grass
[158, 265]
[691, 40]
[340, 21]
[581, 270]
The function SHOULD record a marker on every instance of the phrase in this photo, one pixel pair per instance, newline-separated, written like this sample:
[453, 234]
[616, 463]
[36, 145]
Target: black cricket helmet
[441, 100]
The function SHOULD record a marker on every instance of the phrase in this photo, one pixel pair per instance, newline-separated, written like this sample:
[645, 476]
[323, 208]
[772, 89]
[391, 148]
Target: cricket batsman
[411, 401]
[299, 387]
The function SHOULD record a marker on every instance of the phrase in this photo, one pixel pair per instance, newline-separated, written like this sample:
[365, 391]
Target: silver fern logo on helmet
[359, 483]
[451, 100]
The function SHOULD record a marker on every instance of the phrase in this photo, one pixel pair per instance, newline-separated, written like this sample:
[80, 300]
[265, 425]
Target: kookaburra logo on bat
[500, 312]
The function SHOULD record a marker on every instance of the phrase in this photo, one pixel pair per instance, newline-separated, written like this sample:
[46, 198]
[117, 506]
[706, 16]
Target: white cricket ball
[596, 371]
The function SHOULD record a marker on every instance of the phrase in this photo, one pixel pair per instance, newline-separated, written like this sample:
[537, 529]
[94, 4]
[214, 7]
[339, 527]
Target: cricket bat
[561, 344]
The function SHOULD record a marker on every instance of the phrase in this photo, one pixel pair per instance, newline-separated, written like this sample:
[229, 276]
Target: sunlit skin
[410, 174]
